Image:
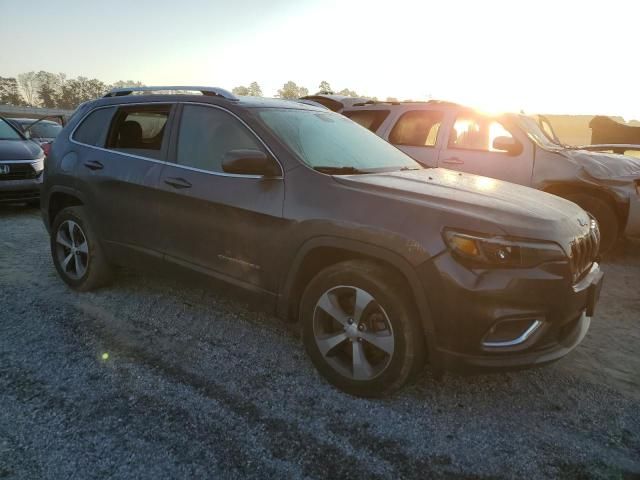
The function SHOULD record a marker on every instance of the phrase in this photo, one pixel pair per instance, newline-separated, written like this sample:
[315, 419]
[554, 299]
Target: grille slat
[584, 251]
[18, 171]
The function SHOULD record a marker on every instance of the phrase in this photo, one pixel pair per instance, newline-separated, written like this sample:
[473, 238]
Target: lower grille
[584, 251]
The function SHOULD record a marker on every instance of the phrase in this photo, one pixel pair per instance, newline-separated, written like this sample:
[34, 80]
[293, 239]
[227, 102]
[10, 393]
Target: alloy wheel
[353, 332]
[72, 249]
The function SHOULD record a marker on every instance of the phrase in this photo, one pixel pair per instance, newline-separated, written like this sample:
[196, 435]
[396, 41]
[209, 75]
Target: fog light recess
[511, 332]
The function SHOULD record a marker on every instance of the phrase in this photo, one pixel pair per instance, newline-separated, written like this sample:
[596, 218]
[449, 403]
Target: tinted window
[418, 128]
[7, 132]
[371, 119]
[139, 130]
[330, 140]
[476, 133]
[93, 129]
[207, 133]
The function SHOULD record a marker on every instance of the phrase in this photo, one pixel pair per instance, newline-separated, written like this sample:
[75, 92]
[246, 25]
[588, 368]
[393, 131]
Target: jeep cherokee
[384, 263]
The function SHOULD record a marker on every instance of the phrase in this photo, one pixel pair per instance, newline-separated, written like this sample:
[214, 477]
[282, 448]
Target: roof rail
[209, 91]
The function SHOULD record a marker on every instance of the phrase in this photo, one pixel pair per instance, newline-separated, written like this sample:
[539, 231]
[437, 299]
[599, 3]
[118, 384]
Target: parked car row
[510, 147]
[385, 263]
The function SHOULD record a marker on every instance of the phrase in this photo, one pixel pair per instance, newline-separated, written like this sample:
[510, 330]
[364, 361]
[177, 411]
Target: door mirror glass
[507, 144]
[250, 162]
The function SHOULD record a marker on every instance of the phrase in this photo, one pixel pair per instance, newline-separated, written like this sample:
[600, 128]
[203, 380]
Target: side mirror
[27, 133]
[250, 162]
[507, 144]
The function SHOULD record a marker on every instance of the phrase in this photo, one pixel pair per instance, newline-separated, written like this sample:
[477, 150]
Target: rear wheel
[605, 215]
[360, 329]
[76, 251]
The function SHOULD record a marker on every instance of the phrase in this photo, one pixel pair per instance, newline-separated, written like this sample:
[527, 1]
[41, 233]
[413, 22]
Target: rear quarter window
[371, 119]
[94, 128]
[418, 128]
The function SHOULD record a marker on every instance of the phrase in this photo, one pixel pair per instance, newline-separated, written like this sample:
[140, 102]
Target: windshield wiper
[344, 170]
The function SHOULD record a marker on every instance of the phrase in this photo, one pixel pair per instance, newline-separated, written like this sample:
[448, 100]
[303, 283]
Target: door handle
[93, 165]
[453, 160]
[177, 183]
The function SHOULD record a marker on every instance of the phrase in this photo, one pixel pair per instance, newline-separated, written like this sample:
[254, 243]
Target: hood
[19, 150]
[512, 209]
[605, 166]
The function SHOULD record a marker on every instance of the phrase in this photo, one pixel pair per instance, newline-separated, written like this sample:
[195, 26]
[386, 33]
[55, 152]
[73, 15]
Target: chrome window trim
[516, 341]
[219, 174]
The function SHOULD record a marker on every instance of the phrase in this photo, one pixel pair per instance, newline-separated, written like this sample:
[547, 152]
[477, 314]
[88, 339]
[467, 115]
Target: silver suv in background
[511, 147]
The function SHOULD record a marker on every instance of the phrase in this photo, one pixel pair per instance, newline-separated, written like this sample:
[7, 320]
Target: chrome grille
[17, 171]
[584, 251]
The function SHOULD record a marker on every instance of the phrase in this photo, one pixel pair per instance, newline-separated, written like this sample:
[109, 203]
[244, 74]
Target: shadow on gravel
[319, 458]
[12, 210]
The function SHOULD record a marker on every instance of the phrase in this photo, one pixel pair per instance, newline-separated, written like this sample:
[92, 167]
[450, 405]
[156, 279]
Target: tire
[605, 215]
[386, 339]
[74, 241]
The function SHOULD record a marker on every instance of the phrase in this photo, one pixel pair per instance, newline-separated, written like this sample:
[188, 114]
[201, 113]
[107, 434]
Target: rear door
[227, 225]
[469, 147]
[120, 155]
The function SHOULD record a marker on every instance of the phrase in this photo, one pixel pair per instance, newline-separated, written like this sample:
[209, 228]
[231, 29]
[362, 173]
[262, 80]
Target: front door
[223, 224]
[470, 147]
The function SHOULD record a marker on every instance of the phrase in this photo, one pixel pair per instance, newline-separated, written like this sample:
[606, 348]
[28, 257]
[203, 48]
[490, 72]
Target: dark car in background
[42, 131]
[382, 261]
[21, 166]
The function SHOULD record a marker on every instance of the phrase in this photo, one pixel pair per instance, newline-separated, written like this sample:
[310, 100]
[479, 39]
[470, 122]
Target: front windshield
[45, 130]
[535, 132]
[327, 140]
[7, 132]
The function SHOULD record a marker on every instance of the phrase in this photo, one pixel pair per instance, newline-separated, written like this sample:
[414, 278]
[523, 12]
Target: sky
[560, 56]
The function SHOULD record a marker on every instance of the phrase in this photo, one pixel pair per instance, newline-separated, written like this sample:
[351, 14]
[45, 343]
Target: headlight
[38, 165]
[501, 252]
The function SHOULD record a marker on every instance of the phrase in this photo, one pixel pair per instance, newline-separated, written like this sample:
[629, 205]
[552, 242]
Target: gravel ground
[199, 384]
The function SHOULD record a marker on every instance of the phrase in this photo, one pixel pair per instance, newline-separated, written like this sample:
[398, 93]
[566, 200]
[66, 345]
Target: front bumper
[468, 305]
[12, 191]
[632, 229]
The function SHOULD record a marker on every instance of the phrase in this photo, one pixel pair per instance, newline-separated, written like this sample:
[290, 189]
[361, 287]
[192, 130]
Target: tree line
[290, 91]
[51, 90]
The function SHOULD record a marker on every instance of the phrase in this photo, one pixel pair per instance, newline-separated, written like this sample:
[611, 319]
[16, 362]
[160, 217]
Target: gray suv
[384, 263]
[510, 147]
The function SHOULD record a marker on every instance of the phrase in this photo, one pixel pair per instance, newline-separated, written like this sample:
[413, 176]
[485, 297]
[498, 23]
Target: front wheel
[360, 328]
[76, 251]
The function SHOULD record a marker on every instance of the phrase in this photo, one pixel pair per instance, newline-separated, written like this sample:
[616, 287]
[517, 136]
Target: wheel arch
[58, 199]
[321, 252]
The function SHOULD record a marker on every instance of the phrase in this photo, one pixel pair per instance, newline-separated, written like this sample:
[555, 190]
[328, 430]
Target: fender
[53, 190]
[358, 248]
